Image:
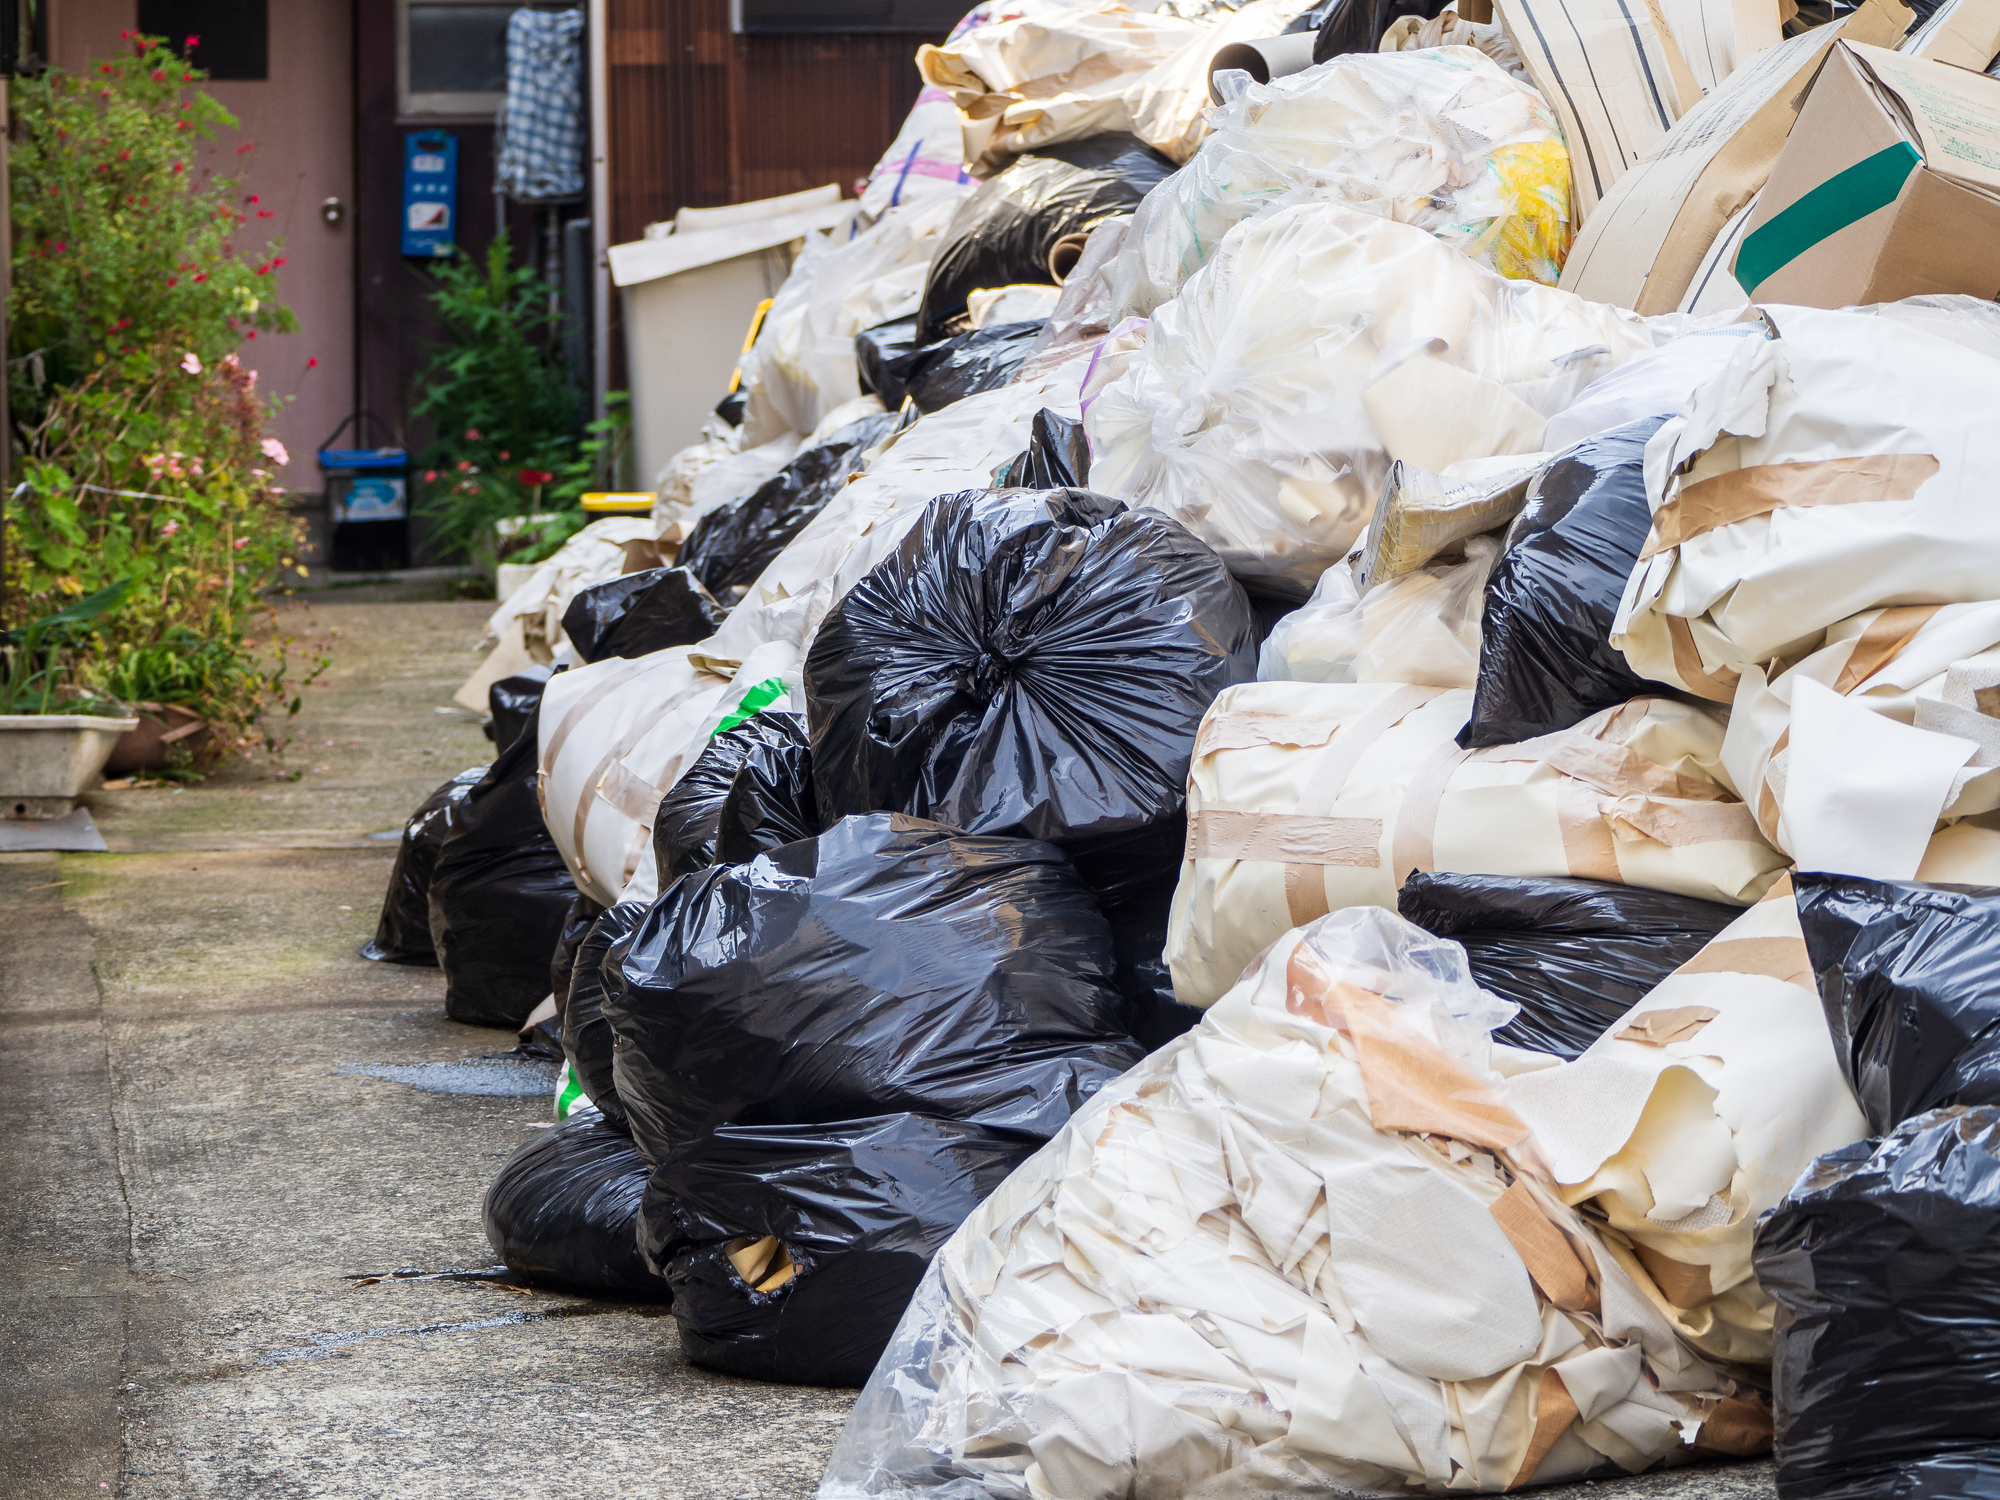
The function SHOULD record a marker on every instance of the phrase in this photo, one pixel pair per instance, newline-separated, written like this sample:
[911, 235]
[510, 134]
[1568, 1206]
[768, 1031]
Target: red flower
[430, 476]
[313, 363]
[159, 75]
[534, 476]
[193, 42]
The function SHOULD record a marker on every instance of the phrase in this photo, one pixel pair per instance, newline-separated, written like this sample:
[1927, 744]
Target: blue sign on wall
[430, 193]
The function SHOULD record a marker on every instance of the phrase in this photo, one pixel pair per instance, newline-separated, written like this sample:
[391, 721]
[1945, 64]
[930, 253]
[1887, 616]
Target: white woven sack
[1307, 798]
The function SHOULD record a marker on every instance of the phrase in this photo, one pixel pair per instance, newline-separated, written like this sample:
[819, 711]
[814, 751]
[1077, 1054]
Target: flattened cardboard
[1889, 188]
[1646, 242]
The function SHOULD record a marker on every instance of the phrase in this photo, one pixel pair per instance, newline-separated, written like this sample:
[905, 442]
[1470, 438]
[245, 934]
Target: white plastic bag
[1304, 1249]
[1320, 344]
[1443, 140]
[1422, 627]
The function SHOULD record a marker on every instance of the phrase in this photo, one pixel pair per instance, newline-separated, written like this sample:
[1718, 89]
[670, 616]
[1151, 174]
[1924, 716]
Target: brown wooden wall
[699, 116]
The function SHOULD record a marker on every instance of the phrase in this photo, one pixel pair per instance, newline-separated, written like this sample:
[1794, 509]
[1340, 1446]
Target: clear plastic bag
[1420, 628]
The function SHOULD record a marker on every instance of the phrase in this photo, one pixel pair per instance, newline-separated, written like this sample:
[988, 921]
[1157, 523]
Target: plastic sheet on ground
[1320, 344]
[564, 1212]
[1574, 955]
[793, 1249]
[1305, 798]
[1441, 139]
[1306, 1247]
[403, 931]
[889, 964]
[499, 895]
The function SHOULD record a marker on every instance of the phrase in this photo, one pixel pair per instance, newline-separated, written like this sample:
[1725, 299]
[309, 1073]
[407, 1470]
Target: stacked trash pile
[1269, 811]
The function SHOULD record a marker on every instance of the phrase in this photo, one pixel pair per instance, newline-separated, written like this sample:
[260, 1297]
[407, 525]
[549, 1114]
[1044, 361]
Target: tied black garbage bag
[1546, 661]
[587, 1037]
[684, 830]
[510, 702]
[1005, 233]
[577, 922]
[1909, 976]
[564, 1212]
[403, 931]
[1357, 25]
[938, 375]
[1057, 457]
[641, 613]
[792, 1251]
[770, 803]
[735, 542]
[1884, 1260]
[1575, 955]
[499, 896]
[1024, 663]
[888, 964]
[876, 352]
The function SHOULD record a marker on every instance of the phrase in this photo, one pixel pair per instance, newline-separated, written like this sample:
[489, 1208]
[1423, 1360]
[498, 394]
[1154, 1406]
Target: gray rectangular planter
[47, 761]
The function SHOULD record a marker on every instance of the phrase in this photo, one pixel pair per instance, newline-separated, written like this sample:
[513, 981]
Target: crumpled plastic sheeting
[1060, 73]
[1305, 1246]
[802, 365]
[1320, 344]
[1422, 627]
[1443, 140]
[924, 158]
[1843, 464]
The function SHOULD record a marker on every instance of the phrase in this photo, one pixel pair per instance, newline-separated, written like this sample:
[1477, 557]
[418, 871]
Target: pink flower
[313, 363]
[170, 528]
[242, 542]
[191, 362]
[275, 451]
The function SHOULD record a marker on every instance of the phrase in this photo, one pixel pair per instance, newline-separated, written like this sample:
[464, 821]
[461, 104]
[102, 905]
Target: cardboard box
[1888, 187]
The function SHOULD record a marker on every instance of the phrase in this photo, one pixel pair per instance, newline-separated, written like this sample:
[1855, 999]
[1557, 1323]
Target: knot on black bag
[987, 676]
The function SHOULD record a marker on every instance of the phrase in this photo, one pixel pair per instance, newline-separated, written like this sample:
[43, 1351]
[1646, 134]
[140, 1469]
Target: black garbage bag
[499, 896]
[1546, 661]
[509, 702]
[1357, 25]
[876, 351]
[1057, 457]
[403, 931]
[685, 827]
[1026, 663]
[938, 375]
[1575, 955]
[641, 613]
[577, 922]
[1909, 976]
[735, 542]
[888, 964]
[1002, 235]
[793, 1250]
[770, 802]
[587, 1037]
[1884, 1260]
[1133, 878]
[564, 1212]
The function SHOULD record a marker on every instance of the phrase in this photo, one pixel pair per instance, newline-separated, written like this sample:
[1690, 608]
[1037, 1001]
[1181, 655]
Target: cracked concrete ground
[190, 1188]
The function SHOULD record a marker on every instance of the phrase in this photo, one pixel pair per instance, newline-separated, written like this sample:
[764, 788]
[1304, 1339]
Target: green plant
[595, 467]
[32, 656]
[496, 393]
[140, 425]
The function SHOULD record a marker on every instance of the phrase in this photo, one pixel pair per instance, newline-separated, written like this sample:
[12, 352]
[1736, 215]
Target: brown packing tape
[1285, 838]
[1743, 494]
[1681, 825]
[1677, 1023]
[1411, 1084]
[1555, 1410]
[1544, 1250]
[1740, 1428]
[1589, 850]
[1254, 731]
[610, 683]
[1767, 800]
[1685, 1286]
[1618, 770]
[1718, 686]
[1881, 642]
[1775, 958]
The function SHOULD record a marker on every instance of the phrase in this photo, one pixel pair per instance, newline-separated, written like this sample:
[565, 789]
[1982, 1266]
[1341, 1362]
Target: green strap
[762, 696]
[1872, 183]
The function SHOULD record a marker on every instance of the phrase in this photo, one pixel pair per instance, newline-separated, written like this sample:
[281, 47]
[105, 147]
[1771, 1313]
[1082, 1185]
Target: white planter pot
[47, 761]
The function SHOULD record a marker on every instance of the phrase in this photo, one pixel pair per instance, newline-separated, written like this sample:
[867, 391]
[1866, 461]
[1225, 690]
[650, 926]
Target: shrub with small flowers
[142, 427]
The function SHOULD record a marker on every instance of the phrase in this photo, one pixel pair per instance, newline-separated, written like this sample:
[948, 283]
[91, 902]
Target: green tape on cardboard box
[1841, 200]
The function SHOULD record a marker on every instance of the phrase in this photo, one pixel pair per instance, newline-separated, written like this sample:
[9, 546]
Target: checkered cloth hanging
[541, 156]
